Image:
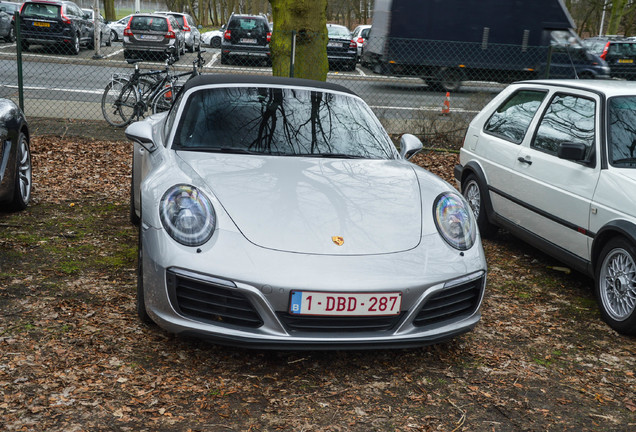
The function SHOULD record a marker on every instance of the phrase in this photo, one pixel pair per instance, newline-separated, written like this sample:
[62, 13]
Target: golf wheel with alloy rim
[616, 285]
[474, 195]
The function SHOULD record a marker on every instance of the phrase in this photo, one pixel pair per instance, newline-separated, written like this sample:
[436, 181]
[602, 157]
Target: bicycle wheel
[118, 102]
[164, 99]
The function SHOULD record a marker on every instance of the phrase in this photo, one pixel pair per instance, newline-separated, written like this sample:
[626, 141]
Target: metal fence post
[292, 59]
[548, 63]
[18, 46]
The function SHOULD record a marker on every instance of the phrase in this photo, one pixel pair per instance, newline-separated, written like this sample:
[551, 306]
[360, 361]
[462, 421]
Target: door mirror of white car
[141, 132]
[572, 151]
[409, 145]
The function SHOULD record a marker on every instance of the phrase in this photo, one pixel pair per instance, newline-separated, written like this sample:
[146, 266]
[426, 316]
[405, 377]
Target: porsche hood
[316, 205]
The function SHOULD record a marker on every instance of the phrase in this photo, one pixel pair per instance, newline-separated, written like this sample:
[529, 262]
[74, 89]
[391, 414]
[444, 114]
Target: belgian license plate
[626, 61]
[250, 41]
[345, 304]
[41, 24]
[150, 37]
[334, 44]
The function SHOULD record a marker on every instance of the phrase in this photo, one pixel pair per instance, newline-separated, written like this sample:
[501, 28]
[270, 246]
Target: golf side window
[513, 117]
[568, 118]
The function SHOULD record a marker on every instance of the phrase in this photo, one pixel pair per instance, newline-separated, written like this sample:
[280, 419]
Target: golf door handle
[524, 160]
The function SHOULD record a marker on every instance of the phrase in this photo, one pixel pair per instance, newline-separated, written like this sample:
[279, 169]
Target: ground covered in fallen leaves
[74, 357]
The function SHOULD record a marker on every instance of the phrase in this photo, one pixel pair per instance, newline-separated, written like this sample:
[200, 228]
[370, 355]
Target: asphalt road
[68, 86]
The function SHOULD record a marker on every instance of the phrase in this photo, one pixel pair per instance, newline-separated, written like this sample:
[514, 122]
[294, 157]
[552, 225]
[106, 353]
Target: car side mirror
[572, 151]
[141, 132]
[409, 145]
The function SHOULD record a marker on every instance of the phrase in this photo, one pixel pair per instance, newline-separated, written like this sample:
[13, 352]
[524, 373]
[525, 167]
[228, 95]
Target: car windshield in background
[278, 121]
[338, 32]
[622, 134]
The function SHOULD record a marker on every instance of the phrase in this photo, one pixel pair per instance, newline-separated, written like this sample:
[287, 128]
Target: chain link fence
[429, 88]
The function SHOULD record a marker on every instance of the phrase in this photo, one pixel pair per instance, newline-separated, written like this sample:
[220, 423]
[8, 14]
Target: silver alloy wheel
[617, 284]
[473, 196]
[24, 170]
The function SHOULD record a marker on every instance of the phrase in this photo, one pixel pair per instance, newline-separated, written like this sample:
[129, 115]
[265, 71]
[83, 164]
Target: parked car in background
[213, 38]
[104, 30]
[57, 24]
[619, 53]
[15, 157]
[190, 31]
[360, 34]
[554, 163]
[7, 20]
[246, 40]
[342, 50]
[153, 34]
[257, 230]
[117, 28]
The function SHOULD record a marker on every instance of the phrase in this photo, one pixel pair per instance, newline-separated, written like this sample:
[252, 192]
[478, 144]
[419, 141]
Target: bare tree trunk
[109, 10]
[616, 14]
[308, 19]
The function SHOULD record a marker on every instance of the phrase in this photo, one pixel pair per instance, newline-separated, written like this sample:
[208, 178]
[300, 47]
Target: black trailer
[449, 41]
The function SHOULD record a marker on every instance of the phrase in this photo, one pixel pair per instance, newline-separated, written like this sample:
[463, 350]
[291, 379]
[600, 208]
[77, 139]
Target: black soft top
[262, 81]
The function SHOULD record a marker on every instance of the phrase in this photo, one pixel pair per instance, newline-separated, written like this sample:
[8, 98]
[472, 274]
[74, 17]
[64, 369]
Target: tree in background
[308, 19]
[109, 10]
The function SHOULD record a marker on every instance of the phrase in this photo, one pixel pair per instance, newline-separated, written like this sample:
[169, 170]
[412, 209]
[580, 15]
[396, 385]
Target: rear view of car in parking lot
[58, 25]
[554, 163]
[618, 52]
[246, 40]
[155, 35]
[191, 33]
[342, 50]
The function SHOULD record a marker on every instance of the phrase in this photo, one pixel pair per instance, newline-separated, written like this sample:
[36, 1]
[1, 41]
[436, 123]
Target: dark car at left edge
[15, 158]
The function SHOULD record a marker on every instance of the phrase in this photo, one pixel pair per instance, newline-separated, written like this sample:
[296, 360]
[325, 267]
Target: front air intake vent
[211, 300]
[451, 304]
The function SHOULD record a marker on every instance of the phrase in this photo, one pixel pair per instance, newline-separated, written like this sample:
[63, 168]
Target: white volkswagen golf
[554, 163]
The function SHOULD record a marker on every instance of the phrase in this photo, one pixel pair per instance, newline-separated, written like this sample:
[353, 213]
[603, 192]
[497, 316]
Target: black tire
[118, 102]
[74, 47]
[225, 60]
[140, 302]
[447, 79]
[113, 36]
[615, 285]
[24, 45]
[23, 175]
[215, 42]
[109, 42]
[164, 100]
[474, 194]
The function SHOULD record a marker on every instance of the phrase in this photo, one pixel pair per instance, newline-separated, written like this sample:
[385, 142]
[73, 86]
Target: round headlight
[187, 215]
[454, 221]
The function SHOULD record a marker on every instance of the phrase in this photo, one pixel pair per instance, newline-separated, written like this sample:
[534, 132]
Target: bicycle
[128, 98]
[164, 99]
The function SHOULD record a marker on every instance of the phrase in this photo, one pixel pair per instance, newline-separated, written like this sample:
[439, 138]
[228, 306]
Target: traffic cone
[446, 105]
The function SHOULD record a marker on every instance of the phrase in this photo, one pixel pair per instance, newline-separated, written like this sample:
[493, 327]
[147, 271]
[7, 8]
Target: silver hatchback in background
[157, 34]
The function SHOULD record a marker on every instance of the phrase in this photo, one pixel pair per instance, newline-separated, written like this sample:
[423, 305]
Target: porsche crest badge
[338, 240]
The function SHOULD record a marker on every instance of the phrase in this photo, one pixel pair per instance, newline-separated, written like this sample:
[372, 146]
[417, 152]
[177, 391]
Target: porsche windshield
[281, 121]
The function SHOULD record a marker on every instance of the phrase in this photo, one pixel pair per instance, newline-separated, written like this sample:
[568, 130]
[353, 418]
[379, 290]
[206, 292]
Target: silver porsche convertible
[277, 213]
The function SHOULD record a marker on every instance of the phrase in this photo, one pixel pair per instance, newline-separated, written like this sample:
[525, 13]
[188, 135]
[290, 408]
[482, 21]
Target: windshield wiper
[332, 155]
[630, 160]
[223, 150]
